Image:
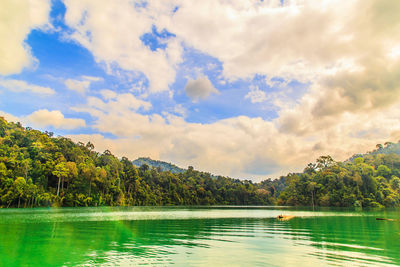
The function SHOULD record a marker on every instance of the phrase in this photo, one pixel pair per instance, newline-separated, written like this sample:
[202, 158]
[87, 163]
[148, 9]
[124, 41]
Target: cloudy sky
[249, 89]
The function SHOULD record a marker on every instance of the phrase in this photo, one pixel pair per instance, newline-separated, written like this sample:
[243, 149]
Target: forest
[38, 169]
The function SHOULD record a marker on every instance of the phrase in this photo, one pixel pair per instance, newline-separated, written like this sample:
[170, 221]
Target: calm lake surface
[213, 236]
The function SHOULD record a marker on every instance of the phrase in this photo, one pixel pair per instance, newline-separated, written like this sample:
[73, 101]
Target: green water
[216, 236]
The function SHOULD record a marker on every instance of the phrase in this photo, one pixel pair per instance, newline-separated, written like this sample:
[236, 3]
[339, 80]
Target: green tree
[60, 171]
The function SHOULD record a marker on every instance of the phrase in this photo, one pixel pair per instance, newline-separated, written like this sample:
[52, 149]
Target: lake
[198, 236]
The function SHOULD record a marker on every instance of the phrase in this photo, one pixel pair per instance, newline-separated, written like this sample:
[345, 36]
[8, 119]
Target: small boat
[285, 217]
[385, 219]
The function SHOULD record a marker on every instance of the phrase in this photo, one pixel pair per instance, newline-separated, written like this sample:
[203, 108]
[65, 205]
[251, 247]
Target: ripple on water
[202, 236]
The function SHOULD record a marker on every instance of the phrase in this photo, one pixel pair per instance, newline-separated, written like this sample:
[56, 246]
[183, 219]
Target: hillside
[164, 166]
[37, 169]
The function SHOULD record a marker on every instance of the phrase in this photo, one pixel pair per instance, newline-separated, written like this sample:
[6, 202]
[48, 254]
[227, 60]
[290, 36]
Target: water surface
[214, 236]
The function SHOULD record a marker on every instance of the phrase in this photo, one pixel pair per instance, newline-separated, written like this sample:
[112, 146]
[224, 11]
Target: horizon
[250, 89]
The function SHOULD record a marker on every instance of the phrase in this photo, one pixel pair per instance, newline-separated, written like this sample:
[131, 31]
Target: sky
[247, 89]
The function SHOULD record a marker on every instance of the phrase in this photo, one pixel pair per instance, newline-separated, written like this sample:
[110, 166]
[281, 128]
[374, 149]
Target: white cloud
[112, 31]
[120, 105]
[108, 94]
[44, 118]
[336, 47]
[200, 88]
[347, 49]
[296, 40]
[77, 86]
[241, 147]
[181, 110]
[82, 85]
[9, 117]
[256, 95]
[91, 78]
[22, 86]
[17, 19]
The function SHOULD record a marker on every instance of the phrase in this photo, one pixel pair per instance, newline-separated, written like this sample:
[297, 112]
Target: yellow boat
[285, 217]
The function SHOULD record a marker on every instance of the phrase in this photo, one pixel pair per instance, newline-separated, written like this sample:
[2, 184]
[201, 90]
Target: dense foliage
[37, 169]
[368, 181]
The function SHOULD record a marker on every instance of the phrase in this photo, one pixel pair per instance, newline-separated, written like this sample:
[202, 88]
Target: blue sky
[249, 89]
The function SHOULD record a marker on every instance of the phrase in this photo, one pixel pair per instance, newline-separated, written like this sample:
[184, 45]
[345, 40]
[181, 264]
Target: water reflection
[26, 240]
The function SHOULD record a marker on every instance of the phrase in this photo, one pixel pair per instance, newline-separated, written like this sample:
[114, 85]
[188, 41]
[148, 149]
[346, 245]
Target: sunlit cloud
[18, 18]
[44, 118]
[22, 86]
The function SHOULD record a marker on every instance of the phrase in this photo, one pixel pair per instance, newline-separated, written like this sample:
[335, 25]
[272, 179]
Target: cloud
[82, 85]
[181, 110]
[77, 85]
[9, 117]
[112, 32]
[200, 88]
[348, 51]
[241, 147]
[256, 95]
[18, 18]
[318, 42]
[266, 37]
[91, 78]
[108, 94]
[44, 118]
[119, 105]
[22, 86]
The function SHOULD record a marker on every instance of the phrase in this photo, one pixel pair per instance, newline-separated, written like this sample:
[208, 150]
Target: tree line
[368, 181]
[38, 170]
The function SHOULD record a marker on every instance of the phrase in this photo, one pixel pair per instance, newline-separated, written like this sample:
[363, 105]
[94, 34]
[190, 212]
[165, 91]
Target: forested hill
[162, 165]
[371, 180]
[37, 169]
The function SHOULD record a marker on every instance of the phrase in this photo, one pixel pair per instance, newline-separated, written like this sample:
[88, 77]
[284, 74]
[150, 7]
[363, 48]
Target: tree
[311, 168]
[311, 187]
[60, 171]
[19, 187]
[388, 144]
[90, 146]
[72, 172]
[324, 162]
[384, 171]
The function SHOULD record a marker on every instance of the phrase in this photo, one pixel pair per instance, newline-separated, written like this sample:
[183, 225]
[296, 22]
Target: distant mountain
[165, 166]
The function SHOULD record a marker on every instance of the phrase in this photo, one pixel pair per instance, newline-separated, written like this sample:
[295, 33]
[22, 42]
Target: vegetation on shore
[368, 181]
[37, 169]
